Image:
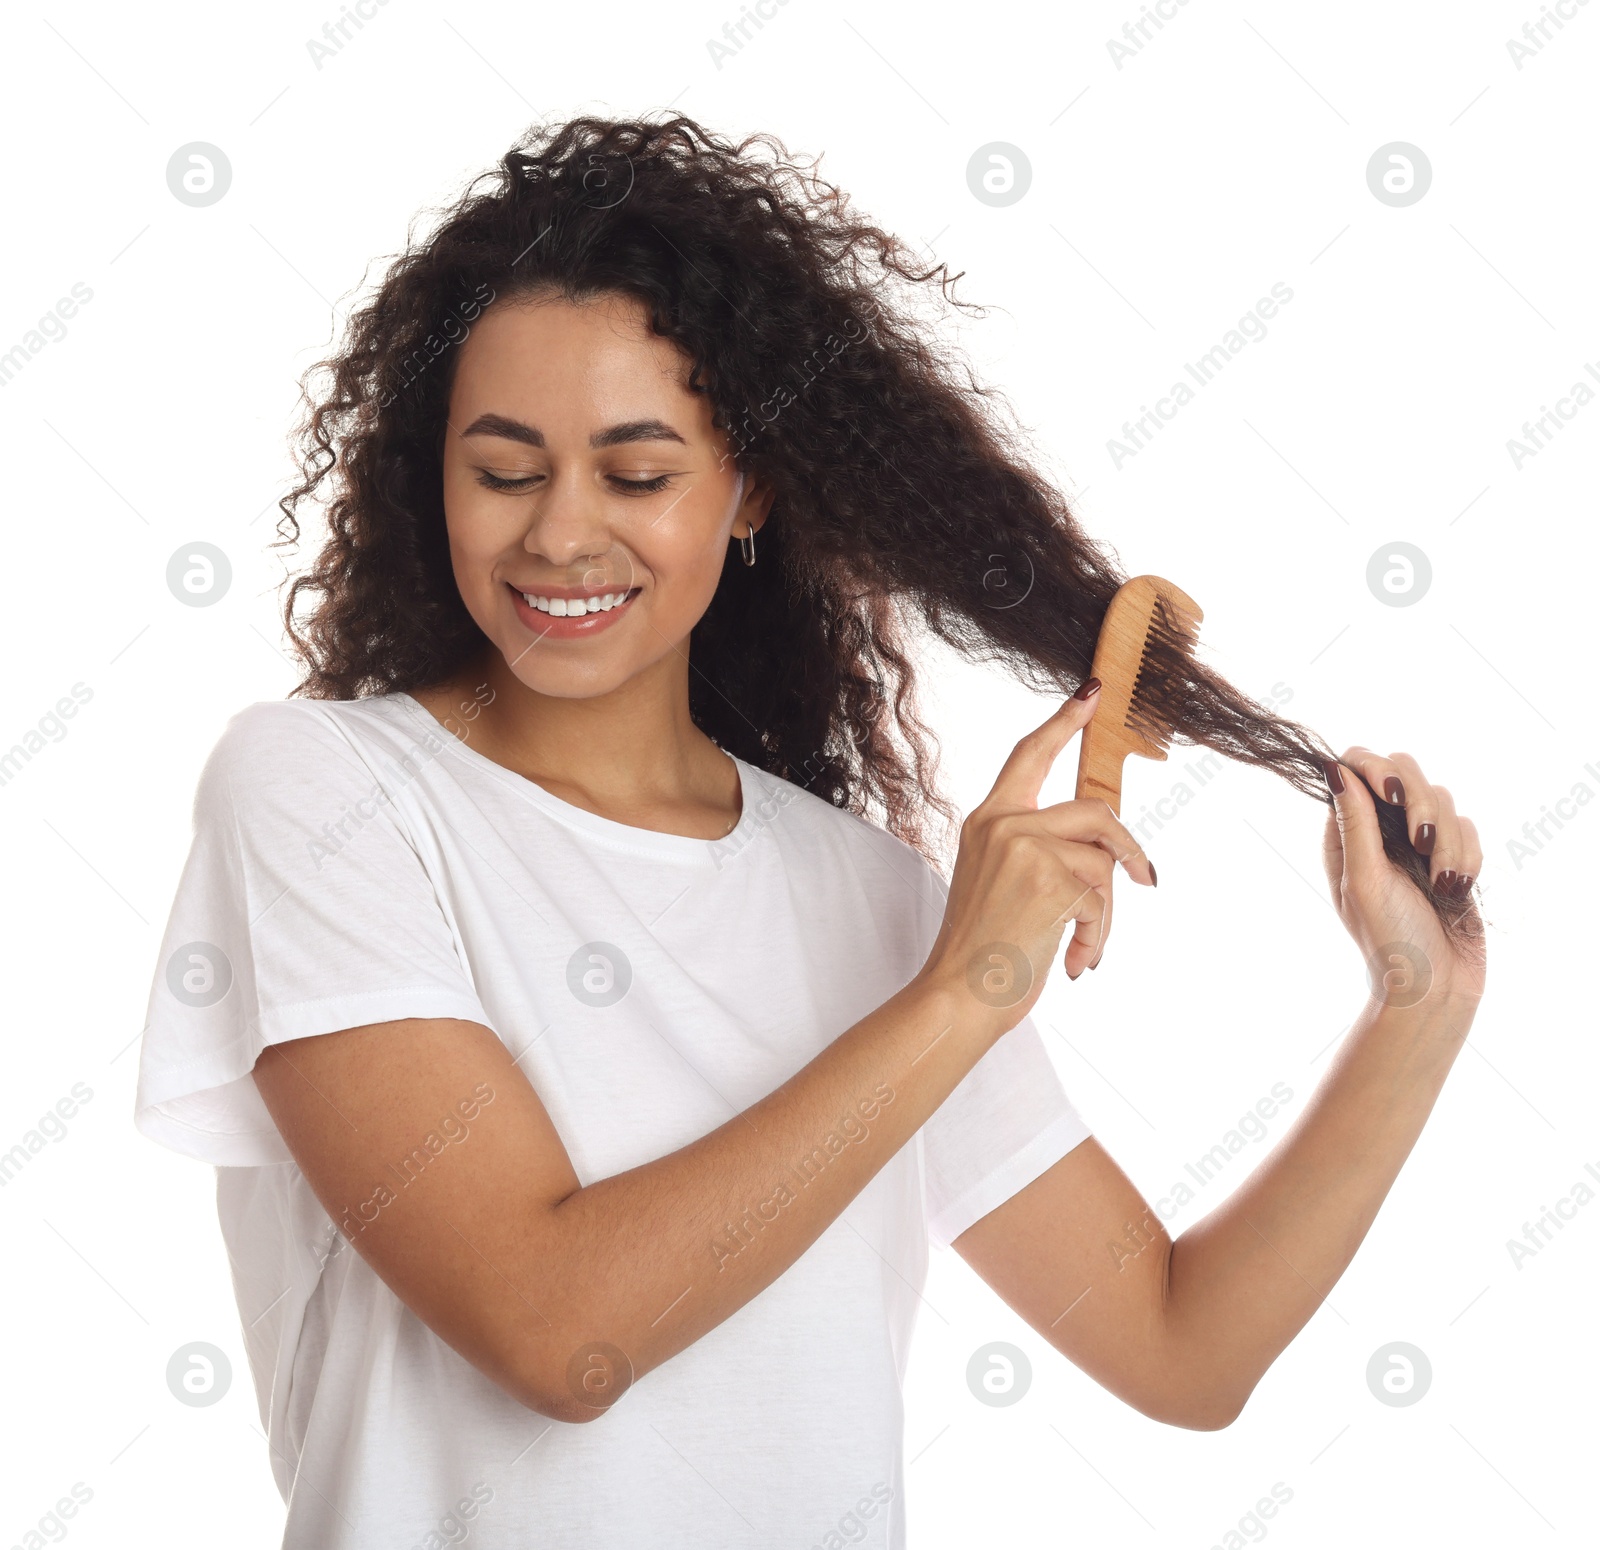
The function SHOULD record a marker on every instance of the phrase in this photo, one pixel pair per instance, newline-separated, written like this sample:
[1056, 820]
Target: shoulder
[273, 744]
[269, 724]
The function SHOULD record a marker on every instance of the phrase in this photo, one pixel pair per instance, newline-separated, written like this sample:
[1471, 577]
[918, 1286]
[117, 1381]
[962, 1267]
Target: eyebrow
[612, 436]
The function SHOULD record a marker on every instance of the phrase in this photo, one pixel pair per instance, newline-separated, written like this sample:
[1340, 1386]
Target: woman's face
[578, 467]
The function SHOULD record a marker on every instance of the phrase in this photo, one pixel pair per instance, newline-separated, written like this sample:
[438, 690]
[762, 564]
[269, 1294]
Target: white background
[1167, 196]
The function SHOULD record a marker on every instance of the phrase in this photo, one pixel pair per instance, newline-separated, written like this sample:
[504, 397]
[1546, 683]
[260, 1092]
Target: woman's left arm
[1185, 1329]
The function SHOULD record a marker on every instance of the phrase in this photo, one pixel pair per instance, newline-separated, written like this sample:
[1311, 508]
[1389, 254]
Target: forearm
[651, 1259]
[1246, 1278]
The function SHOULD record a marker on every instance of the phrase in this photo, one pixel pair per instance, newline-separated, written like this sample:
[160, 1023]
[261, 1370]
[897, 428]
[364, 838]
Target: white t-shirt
[354, 862]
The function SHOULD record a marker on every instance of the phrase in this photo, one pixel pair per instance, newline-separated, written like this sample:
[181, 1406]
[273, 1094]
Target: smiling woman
[589, 501]
[607, 539]
[631, 836]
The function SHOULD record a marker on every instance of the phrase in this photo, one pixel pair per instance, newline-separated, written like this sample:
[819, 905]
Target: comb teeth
[1171, 633]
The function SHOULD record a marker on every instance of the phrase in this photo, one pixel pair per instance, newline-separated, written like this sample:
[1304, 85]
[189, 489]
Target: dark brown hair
[901, 496]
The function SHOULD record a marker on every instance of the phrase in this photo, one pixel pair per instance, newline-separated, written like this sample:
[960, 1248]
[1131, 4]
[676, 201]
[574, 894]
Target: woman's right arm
[491, 1241]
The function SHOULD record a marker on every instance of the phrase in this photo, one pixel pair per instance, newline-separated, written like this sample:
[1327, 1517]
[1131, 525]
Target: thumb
[1333, 858]
[1360, 841]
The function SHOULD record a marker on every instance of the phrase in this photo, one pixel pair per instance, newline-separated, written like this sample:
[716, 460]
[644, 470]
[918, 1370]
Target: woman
[587, 1069]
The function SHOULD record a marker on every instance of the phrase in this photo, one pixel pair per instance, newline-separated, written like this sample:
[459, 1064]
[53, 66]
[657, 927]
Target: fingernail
[1074, 976]
[1423, 843]
[1395, 792]
[1330, 772]
[1086, 688]
[1464, 887]
[1446, 882]
[1095, 964]
[1152, 867]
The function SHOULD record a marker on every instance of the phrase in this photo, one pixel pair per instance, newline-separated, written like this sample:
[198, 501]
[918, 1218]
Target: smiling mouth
[571, 612]
[565, 606]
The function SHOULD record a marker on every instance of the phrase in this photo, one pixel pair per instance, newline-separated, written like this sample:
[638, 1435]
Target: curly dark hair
[901, 497]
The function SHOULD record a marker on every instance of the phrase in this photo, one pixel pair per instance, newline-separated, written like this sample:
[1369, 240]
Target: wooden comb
[1145, 611]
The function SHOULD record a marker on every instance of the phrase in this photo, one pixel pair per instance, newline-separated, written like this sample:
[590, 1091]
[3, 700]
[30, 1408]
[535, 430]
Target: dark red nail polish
[1464, 887]
[1086, 688]
[1152, 867]
[1330, 772]
[1423, 843]
[1394, 790]
[1446, 883]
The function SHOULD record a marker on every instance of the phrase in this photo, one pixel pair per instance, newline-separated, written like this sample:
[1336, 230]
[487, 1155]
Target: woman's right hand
[1022, 872]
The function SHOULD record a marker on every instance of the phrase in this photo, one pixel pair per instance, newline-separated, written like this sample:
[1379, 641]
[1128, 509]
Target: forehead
[551, 355]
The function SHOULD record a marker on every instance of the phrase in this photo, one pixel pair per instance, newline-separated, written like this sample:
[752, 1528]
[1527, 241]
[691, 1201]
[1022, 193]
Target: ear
[756, 504]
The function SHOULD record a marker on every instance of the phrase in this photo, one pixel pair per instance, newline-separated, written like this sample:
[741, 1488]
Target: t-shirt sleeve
[1005, 1123]
[303, 908]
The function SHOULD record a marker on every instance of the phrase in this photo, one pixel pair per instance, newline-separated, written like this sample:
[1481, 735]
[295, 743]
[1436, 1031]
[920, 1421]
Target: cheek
[687, 538]
[480, 526]
[685, 565]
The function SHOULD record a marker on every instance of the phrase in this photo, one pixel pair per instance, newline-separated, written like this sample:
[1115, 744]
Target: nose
[567, 527]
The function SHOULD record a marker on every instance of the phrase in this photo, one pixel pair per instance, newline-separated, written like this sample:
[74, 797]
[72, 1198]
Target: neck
[633, 754]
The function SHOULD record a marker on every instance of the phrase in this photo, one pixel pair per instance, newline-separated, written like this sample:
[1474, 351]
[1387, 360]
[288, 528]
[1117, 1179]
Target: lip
[573, 626]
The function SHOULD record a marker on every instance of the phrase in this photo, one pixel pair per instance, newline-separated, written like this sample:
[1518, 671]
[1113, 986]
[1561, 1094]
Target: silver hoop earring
[747, 547]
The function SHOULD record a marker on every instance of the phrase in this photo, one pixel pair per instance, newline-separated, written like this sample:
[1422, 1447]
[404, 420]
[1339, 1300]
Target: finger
[1360, 839]
[1105, 925]
[1081, 857]
[1422, 811]
[1445, 865]
[1383, 775]
[1333, 856]
[1086, 906]
[1023, 774]
[1088, 863]
[1471, 856]
[1089, 818]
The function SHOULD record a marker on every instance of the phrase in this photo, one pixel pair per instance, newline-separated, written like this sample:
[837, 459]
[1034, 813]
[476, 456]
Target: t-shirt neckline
[680, 847]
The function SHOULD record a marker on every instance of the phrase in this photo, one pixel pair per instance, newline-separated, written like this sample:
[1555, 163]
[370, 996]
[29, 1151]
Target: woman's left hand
[1394, 925]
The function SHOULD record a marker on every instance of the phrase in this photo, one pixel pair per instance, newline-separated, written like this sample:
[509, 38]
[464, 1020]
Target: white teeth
[563, 607]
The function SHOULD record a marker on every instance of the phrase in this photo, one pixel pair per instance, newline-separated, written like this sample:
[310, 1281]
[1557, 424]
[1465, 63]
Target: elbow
[1213, 1420]
[578, 1391]
[559, 1407]
[1197, 1395]
[551, 1403]
[1196, 1411]
[1204, 1412]
[1192, 1419]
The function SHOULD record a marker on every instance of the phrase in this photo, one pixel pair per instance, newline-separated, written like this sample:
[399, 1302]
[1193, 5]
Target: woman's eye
[495, 482]
[491, 481]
